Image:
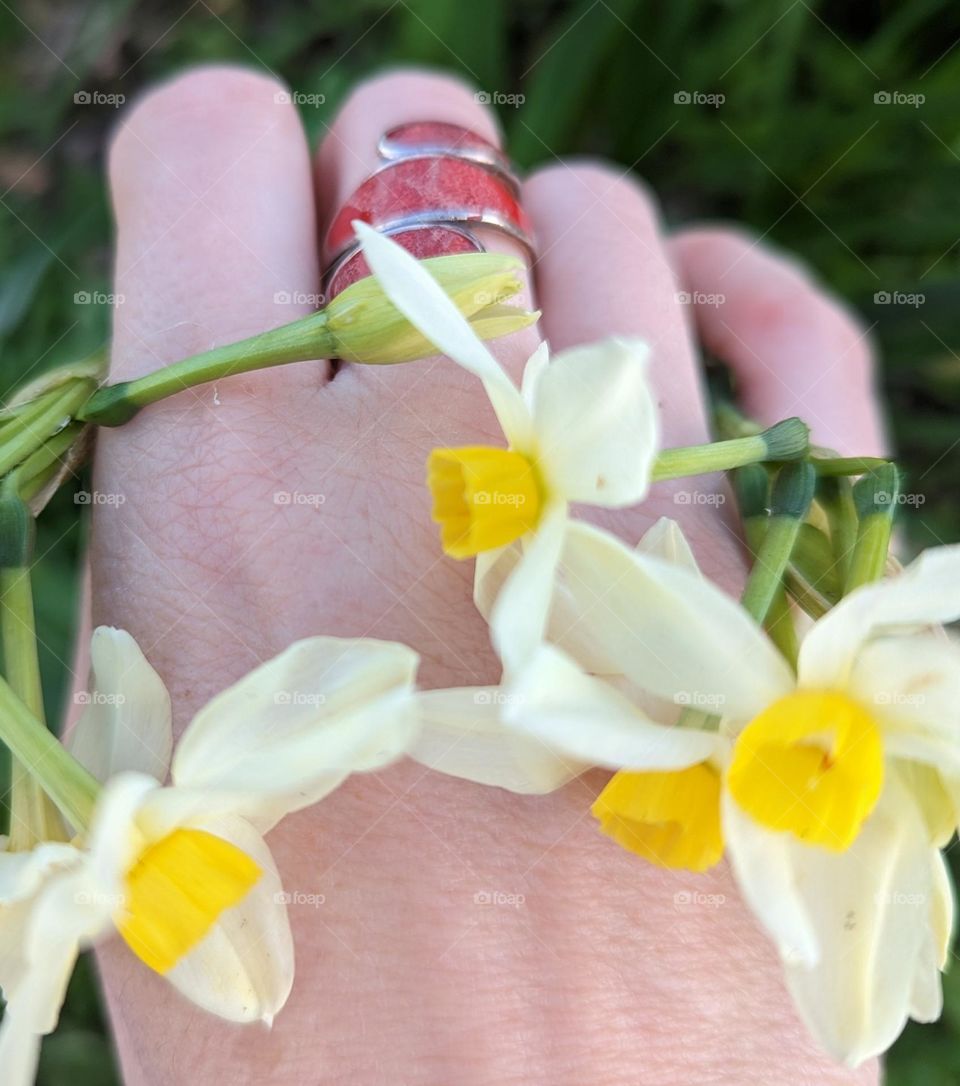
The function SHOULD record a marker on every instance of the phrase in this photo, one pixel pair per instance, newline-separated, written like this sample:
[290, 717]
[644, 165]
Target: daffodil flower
[582, 428]
[832, 789]
[182, 871]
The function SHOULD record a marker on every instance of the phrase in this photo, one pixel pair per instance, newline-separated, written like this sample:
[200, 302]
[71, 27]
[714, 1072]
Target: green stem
[299, 341]
[32, 817]
[835, 495]
[847, 465]
[790, 502]
[788, 440]
[64, 779]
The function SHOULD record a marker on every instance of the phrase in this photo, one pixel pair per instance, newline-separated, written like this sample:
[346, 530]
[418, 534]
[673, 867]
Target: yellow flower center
[671, 819]
[810, 764]
[177, 889]
[483, 497]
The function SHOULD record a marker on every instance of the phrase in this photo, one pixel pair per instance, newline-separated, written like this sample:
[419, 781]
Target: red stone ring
[438, 182]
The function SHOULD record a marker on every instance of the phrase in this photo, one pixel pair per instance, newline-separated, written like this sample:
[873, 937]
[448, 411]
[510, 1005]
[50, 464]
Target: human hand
[595, 966]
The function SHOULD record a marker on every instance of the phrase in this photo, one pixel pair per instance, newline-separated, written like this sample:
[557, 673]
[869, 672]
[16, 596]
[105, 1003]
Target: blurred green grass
[866, 192]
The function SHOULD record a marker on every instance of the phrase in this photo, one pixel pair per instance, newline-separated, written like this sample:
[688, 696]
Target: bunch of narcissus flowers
[809, 733]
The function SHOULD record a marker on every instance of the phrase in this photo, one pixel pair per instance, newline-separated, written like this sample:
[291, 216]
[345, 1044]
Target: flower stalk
[790, 501]
[359, 325]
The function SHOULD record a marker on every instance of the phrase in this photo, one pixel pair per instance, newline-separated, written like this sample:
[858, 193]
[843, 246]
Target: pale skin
[592, 970]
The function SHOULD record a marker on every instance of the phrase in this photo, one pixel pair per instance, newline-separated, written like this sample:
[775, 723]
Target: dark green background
[868, 193]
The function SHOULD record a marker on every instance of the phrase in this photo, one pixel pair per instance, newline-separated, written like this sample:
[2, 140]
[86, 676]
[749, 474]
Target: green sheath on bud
[787, 440]
[876, 497]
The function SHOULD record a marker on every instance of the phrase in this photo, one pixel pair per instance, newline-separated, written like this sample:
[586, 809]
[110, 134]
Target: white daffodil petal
[519, 619]
[913, 683]
[421, 299]
[243, 969]
[596, 422]
[462, 734]
[324, 707]
[50, 929]
[870, 908]
[669, 630]
[23, 873]
[126, 724]
[926, 999]
[763, 863]
[554, 701]
[564, 627]
[927, 592]
[666, 540]
[536, 364]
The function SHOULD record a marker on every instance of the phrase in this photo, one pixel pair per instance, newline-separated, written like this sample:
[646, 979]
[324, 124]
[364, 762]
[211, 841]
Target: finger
[347, 156]
[213, 198]
[603, 270]
[794, 349]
